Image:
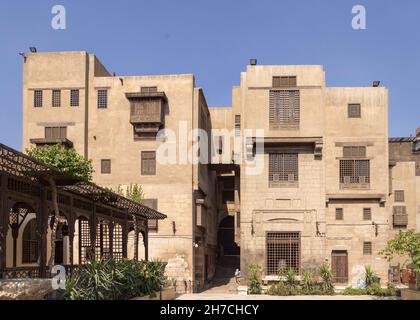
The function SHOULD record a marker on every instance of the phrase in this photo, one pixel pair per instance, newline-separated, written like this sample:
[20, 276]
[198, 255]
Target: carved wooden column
[41, 230]
[111, 238]
[146, 240]
[71, 223]
[136, 238]
[93, 227]
[125, 235]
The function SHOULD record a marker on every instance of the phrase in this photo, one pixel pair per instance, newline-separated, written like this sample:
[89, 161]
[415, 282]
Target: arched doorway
[226, 238]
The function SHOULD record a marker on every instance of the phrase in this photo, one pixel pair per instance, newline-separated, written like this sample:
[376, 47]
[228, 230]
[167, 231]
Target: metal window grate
[284, 81]
[283, 169]
[148, 163]
[367, 248]
[106, 166]
[102, 98]
[38, 98]
[284, 109]
[117, 243]
[84, 240]
[354, 152]
[56, 98]
[354, 173]
[55, 132]
[74, 98]
[399, 196]
[282, 251]
[30, 243]
[339, 214]
[367, 214]
[354, 110]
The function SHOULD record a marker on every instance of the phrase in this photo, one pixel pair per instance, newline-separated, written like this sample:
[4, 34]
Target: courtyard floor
[227, 296]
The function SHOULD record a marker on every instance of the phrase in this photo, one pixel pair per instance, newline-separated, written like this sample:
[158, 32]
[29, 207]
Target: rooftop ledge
[356, 196]
[145, 95]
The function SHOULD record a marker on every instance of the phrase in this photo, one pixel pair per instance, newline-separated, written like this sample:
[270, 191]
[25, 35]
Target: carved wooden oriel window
[283, 170]
[30, 243]
[284, 109]
[282, 252]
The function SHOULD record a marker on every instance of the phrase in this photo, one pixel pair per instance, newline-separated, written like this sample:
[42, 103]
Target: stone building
[323, 192]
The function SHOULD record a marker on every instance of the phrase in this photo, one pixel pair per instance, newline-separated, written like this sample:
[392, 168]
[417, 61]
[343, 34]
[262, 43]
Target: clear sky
[215, 40]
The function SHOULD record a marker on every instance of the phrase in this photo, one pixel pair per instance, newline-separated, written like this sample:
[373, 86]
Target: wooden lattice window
[84, 240]
[367, 248]
[38, 98]
[237, 125]
[152, 223]
[102, 99]
[399, 196]
[367, 213]
[74, 98]
[148, 163]
[354, 110]
[118, 242]
[339, 214]
[284, 81]
[55, 132]
[284, 109]
[400, 217]
[282, 251]
[30, 243]
[354, 152]
[283, 170]
[354, 174]
[102, 240]
[56, 98]
[105, 166]
[148, 89]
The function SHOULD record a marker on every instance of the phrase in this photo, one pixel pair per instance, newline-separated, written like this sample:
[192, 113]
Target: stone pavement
[227, 296]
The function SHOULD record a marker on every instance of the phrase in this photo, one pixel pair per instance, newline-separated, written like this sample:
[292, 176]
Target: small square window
[102, 99]
[38, 98]
[148, 89]
[148, 163]
[339, 214]
[354, 110]
[399, 196]
[74, 98]
[56, 98]
[367, 248]
[106, 166]
[367, 214]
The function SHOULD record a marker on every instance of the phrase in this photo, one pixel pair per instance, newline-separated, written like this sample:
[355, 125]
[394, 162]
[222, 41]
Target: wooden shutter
[400, 217]
[148, 89]
[399, 196]
[148, 163]
[367, 248]
[284, 81]
[339, 214]
[284, 109]
[367, 214]
[354, 151]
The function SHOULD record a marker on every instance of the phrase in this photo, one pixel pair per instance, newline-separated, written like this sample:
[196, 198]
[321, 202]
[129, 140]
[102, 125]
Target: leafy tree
[135, 193]
[67, 161]
[404, 244]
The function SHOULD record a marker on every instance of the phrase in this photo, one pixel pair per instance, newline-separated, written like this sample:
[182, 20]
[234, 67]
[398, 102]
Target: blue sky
[215, 40]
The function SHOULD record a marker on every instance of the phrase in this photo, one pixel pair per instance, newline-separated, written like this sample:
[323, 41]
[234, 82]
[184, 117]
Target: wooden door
[339, 266]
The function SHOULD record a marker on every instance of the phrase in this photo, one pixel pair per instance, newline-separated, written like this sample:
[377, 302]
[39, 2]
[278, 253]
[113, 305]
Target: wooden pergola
[104, 217]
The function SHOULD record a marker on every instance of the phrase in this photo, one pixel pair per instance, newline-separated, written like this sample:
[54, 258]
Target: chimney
[253, 62]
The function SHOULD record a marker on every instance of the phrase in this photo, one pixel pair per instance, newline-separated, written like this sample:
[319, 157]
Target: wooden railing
[34, 272]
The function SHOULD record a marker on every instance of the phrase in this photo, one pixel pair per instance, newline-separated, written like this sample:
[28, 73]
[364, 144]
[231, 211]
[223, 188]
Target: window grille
[354, 174]
[354, 152]
[38, 98]
[282, 251]
[284, 109]
[286, 81]
[106, 166]
[74, 98]
[283, 169]
[399, 196]
[102, 240]
[102, 98]
[118, 242]
[56, 98]
[84, 240]
[148, 89]
[400, 217]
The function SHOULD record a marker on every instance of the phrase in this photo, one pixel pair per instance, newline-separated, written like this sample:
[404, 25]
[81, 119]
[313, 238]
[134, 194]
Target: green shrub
[108, 279]
[254, 284]
[373, 290]
[327, 282]
[291, 277]
[354, 291]
[307, 281]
